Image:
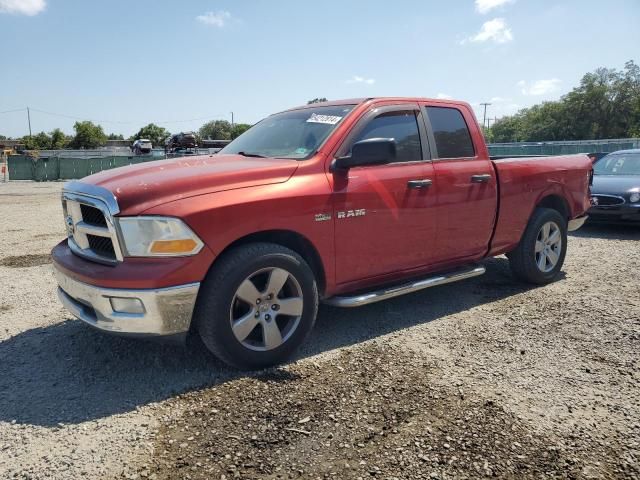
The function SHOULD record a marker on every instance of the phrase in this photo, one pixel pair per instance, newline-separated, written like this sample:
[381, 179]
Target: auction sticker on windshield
[328, 119]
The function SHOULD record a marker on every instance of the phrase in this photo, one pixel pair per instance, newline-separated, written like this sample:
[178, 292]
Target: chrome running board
[391, 292]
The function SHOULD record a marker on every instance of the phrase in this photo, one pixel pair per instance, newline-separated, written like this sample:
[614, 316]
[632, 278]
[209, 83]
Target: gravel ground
[483, 377]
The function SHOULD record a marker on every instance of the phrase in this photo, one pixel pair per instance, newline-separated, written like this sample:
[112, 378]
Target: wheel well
[556, 202]
[296, 242]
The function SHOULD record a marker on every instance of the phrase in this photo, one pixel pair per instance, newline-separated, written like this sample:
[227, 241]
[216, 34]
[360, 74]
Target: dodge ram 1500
[346, 202]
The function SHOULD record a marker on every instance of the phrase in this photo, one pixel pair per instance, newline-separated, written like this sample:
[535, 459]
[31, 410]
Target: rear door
[467, 184]
[384, 214]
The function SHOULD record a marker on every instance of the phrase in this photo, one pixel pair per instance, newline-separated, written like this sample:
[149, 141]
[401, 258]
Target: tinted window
[451, 133]
[402, 127]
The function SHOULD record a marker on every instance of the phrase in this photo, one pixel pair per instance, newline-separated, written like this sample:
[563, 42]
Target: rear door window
[451, 133]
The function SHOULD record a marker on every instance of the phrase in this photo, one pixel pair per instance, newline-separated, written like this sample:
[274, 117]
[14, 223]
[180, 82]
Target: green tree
[39, 141]
[152, 132]
[115, 136]
[58, 139]
[317, 100]
[216, 130]
[606, 104]
[238, 129]
[88, 135]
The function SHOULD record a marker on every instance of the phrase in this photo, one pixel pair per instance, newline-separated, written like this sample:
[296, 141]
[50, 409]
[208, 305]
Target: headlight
[634, 197]
[157, 237]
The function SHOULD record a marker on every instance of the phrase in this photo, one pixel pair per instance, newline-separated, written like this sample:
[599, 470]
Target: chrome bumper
[164, 311]
[576, 223]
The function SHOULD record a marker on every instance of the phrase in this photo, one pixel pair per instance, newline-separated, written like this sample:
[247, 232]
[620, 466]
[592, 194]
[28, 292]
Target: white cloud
[444, 96]
[358, 79]
[485, 6]
[498, 100]
[214, 19]
[22, 7]
[539, 87]
[495, 30]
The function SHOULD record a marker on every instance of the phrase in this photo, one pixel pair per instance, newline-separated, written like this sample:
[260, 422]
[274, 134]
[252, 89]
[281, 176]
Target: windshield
[618, 164]
[295, 134]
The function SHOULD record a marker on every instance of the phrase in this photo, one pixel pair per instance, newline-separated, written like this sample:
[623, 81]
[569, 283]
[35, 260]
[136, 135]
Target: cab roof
[359, 101]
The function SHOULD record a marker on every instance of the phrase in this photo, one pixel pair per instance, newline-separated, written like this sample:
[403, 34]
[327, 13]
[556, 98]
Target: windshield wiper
[248, 154]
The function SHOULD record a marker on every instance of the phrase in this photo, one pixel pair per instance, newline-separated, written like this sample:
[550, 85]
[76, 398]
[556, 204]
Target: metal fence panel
[46, 169]
[20, 167]
[563, 147]
[71, 168]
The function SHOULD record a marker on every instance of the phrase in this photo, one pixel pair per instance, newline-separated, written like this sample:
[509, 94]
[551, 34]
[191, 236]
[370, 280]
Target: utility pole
[232, 120]
[484, 117]
[29, 120]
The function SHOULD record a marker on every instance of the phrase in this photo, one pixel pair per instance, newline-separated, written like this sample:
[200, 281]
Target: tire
[221, 303]
[538, 260]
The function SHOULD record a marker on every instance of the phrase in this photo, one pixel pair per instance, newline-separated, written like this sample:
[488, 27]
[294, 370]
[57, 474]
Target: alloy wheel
[266, 309]
[548, 247]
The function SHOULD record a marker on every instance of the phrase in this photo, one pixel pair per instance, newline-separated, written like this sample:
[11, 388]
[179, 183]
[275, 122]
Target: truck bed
[525, 181]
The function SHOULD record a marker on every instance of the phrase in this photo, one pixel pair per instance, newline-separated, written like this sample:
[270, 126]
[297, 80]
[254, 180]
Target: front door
[384, 214]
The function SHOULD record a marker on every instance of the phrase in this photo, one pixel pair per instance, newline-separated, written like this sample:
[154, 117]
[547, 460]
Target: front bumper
[162, 311]
[621, 213]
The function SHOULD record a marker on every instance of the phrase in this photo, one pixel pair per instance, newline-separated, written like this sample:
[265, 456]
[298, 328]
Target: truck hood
[614, 184]
[143, 186]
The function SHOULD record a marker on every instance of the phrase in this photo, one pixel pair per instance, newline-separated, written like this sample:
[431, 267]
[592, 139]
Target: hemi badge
[322, 217]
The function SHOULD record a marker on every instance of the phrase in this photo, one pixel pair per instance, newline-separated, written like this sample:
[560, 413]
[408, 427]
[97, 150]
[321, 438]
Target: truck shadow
[68, 373]
[609, 231]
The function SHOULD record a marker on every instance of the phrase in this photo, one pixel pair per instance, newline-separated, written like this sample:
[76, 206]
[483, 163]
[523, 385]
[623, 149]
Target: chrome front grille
[91, 231]
[92, 216]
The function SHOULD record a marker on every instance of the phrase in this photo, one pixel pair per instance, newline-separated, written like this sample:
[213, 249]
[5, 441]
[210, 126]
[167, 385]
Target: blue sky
[125, 63]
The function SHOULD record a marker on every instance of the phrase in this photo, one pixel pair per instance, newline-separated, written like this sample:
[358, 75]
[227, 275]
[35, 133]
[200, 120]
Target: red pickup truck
[347, 202]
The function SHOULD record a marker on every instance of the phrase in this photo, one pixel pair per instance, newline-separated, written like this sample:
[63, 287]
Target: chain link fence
[562, 148]
[68, 165]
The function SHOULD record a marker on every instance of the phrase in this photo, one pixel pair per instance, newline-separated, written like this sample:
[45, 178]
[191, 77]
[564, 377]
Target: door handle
[484, 178]
[419, 183]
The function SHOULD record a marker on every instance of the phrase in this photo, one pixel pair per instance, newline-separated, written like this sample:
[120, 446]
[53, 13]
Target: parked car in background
[616, 188]
[180, 141]
[348, 203]
[596, 156]
[141, 146]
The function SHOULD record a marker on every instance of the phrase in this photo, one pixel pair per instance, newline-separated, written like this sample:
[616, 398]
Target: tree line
[606, 104]
[89, 135]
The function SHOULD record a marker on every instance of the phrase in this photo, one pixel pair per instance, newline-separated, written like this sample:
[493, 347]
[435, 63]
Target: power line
[210, 117]
[73, 117]
[15, 110]
[77, 118]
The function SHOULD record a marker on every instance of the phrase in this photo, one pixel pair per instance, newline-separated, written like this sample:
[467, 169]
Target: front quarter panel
[222, 218]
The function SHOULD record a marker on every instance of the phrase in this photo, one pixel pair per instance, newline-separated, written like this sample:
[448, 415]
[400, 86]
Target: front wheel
[257, 305]
[540, 254]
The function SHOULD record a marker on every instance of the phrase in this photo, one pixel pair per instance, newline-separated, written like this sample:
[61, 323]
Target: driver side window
[402, 126]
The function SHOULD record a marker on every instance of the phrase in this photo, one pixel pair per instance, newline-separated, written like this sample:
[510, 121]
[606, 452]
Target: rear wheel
[541, 251]
[257, 305]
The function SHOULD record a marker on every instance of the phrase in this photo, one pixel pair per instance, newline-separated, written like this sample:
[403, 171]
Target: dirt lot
[484, 377]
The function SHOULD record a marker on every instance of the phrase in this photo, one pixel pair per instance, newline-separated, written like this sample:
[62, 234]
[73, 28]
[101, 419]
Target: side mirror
[373, 151]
